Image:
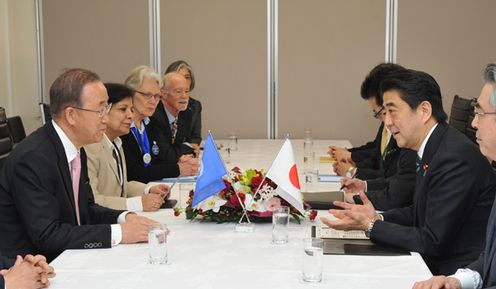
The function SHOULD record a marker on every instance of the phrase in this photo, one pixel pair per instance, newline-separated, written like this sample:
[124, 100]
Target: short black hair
[118, 92]
[371, 84]
[415, 87]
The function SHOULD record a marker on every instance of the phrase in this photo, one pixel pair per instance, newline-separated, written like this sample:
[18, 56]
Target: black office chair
[461, 116]
[45, 113]
[16, 129]
[5, 141]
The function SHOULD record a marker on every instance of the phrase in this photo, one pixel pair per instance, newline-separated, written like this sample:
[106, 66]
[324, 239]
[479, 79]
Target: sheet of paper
[329, 233]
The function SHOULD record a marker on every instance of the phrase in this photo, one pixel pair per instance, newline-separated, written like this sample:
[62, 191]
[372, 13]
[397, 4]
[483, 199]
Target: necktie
[418, 163]
[75, 175]
[116, 155]
[384, 141]
[174, 129]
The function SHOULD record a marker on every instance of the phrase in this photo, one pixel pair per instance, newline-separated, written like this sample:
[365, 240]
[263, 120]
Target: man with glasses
[172, 119]
[455, 185]
[46, 201]
[482, 272]
[384, 171]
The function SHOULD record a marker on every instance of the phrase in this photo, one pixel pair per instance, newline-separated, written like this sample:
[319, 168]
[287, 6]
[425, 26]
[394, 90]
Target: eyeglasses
[149, 95]
[377, 114]
[101, 112]
[479, 112]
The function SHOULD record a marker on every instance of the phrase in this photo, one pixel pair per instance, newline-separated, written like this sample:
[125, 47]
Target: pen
[352, 177]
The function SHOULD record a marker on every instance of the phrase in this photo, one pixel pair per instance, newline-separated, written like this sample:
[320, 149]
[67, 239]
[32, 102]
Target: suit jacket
[104, 176]
[170, 152]
[135, 165]
[5, 263]
[452, 201]
[486, 263]
[37, 214]
[195, 107]
[395, 191]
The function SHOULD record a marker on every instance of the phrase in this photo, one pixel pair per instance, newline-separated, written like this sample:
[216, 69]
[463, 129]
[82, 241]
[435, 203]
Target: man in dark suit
[482, 272]
[377, 158]
[30, 272]
[455, 185]
[172, 119]
[46, 202]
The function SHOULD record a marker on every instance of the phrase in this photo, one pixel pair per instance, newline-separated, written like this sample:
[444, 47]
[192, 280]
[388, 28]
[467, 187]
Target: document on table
[330, 233]
[191, 179]
[329, 178]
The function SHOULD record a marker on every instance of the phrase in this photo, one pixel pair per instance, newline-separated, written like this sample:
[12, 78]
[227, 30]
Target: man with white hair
[482, 272]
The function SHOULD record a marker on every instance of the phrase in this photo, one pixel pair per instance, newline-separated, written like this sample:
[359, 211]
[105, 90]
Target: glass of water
[157, 244]
[313, 253]
[280, 223]
[233, 141]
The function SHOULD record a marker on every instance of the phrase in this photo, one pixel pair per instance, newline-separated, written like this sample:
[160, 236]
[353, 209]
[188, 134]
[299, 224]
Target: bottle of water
[308, 157]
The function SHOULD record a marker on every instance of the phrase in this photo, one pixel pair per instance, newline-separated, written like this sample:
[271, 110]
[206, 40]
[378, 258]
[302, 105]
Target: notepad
[330, 233]
[191, 179]
[329, 178]
[326, 159]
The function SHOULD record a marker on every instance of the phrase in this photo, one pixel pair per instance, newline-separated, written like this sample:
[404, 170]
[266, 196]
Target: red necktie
[75, 175]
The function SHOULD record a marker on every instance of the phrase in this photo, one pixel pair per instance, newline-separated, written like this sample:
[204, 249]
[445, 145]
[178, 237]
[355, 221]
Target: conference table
[211, 255]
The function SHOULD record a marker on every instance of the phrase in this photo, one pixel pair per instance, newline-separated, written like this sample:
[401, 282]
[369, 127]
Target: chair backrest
[461, 116]
[16, 129]
[5, 141]
[45, 113]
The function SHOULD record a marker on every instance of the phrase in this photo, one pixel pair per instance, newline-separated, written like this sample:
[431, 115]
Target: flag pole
[235, 190]
[264, 178]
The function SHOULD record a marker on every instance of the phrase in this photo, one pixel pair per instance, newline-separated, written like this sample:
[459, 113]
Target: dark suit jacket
[170, 152]
[452, 202]
[5, 263]
[395, 191]
[37, 214]
[486, 263]
[135, 166]
[196, 108]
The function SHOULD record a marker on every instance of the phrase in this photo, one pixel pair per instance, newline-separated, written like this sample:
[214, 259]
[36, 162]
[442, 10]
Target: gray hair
[168, 78]
[489, 77]
[138, 74]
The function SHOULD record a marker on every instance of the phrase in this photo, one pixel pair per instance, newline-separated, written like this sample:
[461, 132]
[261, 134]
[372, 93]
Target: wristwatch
[369, 228]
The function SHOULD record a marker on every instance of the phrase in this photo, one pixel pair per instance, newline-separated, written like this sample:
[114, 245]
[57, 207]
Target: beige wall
[225, 41]
[331, 43]
[18, 72]
[326, 49]
[450, 39]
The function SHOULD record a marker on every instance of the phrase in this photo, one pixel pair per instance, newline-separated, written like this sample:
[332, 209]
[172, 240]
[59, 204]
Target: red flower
[313, 215]
[235, 201]
[256, 181]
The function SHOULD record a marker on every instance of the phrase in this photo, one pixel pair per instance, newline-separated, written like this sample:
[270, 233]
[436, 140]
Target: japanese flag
[283, 172]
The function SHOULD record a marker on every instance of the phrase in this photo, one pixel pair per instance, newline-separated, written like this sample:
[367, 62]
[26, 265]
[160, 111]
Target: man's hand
[353, 217]
[438, 282]
[339, 153]
[352, 185]
[189, 167]
[40, 261]
[341, 167]
[162, 190]
[23, 275]
[151, 202]
[135, 229]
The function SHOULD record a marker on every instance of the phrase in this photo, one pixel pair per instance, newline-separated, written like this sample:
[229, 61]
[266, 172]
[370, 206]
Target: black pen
[352, 177]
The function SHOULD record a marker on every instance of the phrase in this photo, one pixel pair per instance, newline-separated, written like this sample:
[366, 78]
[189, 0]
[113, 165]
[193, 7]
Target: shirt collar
[170, 116]
[420, 152]
[110, 144]
[69, 148]
[145, 121]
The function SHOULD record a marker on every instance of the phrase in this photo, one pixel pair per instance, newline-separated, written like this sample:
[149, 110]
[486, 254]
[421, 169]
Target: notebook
[323, 200]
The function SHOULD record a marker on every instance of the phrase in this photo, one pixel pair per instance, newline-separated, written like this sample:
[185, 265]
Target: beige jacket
[104, 176]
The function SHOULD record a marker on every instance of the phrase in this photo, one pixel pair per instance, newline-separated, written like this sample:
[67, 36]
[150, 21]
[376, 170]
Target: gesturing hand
[353, 217]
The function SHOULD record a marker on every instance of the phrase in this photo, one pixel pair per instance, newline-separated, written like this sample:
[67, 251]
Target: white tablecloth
[209, 255]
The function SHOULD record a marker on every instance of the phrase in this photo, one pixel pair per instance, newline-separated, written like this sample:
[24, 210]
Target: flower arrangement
[226, 205]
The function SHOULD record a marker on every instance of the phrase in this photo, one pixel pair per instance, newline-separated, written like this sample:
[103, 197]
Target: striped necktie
[174, 129]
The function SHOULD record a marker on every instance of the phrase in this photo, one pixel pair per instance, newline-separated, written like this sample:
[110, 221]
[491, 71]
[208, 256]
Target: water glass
[280, 224]
[157, 244]
[233, 141]
[313, 253]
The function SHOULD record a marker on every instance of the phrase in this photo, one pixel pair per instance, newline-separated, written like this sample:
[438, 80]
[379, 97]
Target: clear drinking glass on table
[280, 224]
[157, 244]
[313, 253]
